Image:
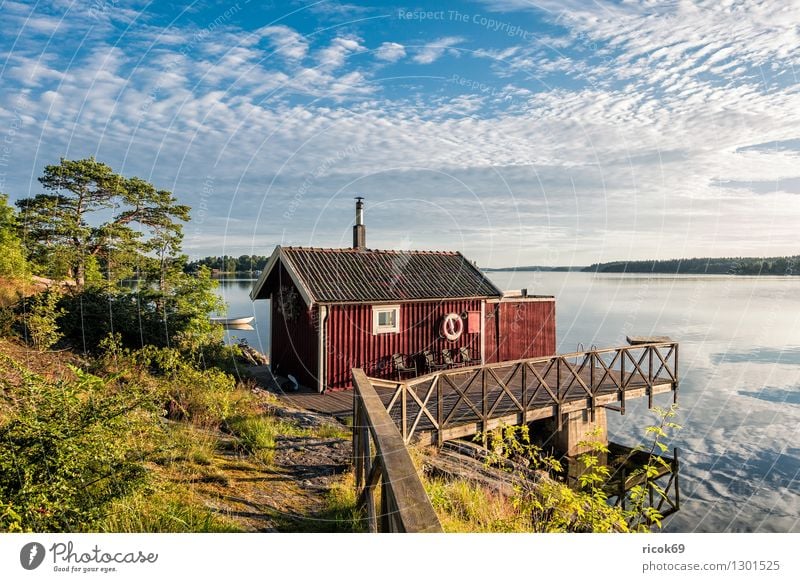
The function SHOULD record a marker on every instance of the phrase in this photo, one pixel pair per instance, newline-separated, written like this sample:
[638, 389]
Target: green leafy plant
[550, 505]
[70, 448]
[644, 514]
[41, 319]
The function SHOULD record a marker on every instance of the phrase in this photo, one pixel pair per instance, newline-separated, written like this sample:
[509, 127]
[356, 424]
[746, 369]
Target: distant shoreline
[773, 266]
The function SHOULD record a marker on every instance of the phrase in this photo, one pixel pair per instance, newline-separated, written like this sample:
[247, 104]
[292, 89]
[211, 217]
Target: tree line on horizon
[788, 265]
[230, 264]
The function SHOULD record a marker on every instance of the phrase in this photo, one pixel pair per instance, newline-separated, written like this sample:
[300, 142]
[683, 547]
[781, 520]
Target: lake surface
[739, 371]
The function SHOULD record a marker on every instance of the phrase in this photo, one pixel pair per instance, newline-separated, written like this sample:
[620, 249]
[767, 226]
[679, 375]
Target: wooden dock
[338, 404]
[462, 402]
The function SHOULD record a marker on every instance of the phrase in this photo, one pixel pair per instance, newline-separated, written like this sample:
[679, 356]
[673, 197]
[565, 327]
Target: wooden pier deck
[464, 401]
[458, 403]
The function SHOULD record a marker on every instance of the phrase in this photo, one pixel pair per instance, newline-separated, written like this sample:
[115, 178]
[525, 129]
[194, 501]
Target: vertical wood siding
[520, 329]
[350, 342]
[294, 344]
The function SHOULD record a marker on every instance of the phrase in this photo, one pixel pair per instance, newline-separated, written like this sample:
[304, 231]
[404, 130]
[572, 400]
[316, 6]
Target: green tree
[93, 220]
[12, 258]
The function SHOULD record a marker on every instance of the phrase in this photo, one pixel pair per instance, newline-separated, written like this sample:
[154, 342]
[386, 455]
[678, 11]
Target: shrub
[41, 319]
[205, 398]
[70, 448]
[7, 320]
[145, 317]
[548, 505]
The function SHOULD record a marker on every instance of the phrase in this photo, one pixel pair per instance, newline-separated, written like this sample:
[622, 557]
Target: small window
[385, 319]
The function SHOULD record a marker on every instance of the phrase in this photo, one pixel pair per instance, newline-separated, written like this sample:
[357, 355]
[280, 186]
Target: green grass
[184, 444]
[257, 435]
[172, 510]
[339, 514]
[331, 431]
[464, 506]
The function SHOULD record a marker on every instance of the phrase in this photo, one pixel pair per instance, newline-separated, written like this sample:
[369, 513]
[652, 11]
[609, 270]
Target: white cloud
[287, 41]
[433, 51]
[335, 55]
[390, 51]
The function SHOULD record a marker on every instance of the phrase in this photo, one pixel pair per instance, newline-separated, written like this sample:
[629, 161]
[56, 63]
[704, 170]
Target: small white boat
[232, 320]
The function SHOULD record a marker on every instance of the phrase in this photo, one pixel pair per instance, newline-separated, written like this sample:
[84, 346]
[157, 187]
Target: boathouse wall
[519, 328]
[350, 342]
[294, 335]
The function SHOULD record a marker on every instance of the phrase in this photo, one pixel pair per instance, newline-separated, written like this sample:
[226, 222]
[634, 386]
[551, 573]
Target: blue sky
[518, 132]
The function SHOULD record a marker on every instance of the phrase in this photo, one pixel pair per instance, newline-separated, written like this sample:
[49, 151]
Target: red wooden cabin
[336, 309]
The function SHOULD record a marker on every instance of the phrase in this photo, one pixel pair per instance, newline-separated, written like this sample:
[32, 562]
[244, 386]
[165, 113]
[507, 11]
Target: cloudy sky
[517, 131]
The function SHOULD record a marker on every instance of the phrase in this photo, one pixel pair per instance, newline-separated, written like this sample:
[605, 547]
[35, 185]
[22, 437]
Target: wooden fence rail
[463, 401]
[404, 504]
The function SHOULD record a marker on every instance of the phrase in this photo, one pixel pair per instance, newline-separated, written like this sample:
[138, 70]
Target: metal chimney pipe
[359, 230]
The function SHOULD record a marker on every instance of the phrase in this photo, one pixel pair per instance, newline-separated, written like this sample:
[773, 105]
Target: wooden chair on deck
[401, 368]
[466, 357]
[430, 362]
[447, 358]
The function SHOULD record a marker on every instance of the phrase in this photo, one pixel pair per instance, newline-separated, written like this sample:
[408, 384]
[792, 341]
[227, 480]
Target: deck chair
[466, 357]
[447, 358]
[430, 362]
[401, 368]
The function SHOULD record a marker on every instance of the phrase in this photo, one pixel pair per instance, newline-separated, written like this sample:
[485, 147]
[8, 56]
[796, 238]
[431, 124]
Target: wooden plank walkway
[458, 403]
[464, 401]
[339, 404]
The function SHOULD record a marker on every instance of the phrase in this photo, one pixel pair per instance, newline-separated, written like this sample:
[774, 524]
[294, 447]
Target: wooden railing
[463, 401]
[404, 504]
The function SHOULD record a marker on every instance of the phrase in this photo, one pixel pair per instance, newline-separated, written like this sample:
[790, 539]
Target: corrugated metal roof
[343, 275]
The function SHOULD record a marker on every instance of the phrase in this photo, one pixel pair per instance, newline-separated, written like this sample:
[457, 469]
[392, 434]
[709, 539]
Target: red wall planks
[294, 340]
[520, 329]
[352, 344]
[513, 330]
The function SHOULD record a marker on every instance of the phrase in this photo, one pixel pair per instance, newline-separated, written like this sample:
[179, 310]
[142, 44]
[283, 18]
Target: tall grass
[466, 507]
[164, 511]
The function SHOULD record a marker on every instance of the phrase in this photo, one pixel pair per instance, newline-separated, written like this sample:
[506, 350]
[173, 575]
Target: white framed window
[385, 319]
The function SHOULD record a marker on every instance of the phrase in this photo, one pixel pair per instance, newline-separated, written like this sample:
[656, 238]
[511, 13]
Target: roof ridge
[386, 251]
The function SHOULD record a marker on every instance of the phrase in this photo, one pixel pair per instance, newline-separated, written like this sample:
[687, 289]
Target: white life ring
[452, 326]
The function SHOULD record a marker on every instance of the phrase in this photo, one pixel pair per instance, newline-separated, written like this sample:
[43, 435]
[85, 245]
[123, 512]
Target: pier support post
[578, 426]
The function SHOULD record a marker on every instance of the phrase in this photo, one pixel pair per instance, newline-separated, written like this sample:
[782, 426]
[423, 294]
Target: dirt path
[294, 493]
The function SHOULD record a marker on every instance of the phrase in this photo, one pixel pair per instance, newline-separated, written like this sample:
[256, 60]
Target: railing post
[676, 471]
[404, 410]
[650, 378]
[675, 374]
[366, 456]
[592, 387]
[386, 507]
[622, 355]
[484, 402]
[558, 378]
[357, 445]
[524, 395]
[439, 412]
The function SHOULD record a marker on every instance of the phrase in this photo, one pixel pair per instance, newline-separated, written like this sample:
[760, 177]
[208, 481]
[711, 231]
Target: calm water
[739, 371]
